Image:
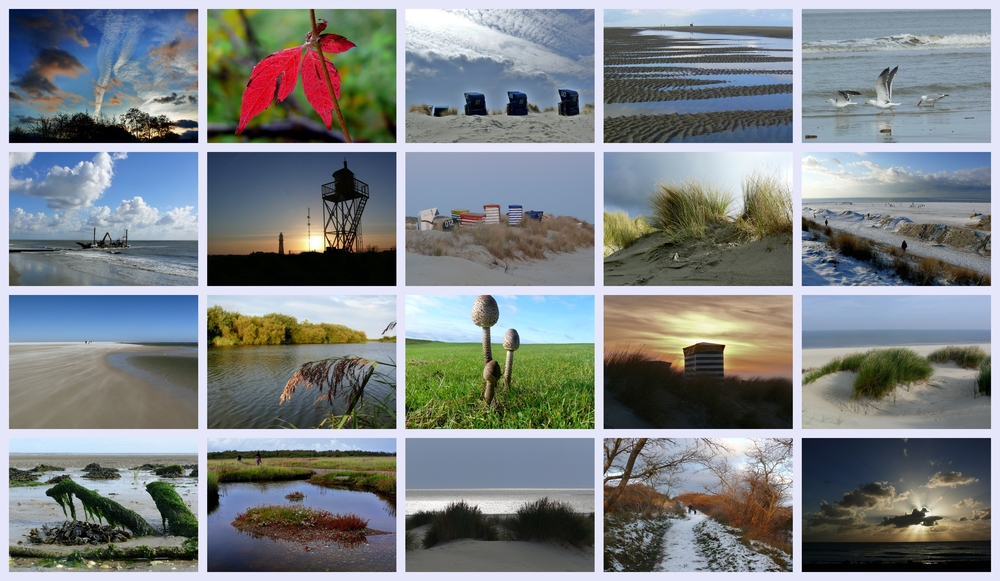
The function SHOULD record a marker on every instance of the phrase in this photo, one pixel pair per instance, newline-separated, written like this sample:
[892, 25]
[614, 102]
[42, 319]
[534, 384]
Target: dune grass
[533, 108]
[529, 240]
[552, 387]
[878, 371]
[767, 206]
[983, 378]
[665, 397]
[620, 231]
[587, 109]
[682, 211]
[421, 108]
[550, 520]
[967, 357]
[459, 521]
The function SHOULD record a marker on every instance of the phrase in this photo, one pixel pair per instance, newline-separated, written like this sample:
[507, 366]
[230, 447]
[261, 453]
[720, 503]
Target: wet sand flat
[695, 84]
[73, 385]
[547, 127]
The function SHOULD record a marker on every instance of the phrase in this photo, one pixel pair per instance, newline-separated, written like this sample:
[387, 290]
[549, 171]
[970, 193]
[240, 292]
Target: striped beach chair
[514, 214]
[492, 213]
[471, 218]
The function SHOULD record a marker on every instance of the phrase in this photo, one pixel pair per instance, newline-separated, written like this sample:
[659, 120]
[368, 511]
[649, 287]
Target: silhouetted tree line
[231, 454]
[232, 328]
[132, 126]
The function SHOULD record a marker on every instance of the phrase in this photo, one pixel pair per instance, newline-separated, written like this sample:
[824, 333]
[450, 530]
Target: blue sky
[254, 196]
[543, 319]
[555, 183]
[629, 178]
[104, 446]
[370, 314]
[63, 196]
[319, 444]
[862, 313]
[899, 490]
[929, 177]
[537, 52]
[57, 318]
[104, 62]
[499, 463]
[698, 17]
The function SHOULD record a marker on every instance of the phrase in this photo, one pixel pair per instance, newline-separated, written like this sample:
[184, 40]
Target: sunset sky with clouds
[756, 330]
[896, 490]
[104, 62]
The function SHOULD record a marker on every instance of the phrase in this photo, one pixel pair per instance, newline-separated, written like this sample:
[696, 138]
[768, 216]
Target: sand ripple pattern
[631, 72]
[665, 128]
[652, 90]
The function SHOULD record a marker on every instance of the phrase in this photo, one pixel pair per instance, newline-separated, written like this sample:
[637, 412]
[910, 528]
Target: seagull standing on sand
[932, 98]
[843, 99]
[883, 92]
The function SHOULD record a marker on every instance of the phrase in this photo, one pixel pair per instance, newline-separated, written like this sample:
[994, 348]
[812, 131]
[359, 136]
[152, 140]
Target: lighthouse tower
[281, 243]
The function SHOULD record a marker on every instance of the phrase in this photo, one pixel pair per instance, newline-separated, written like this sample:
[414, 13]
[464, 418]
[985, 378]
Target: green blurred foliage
[239, 39]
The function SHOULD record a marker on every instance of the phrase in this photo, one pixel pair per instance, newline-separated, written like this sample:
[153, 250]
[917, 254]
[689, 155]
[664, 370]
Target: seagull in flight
[843, 99]
[932, 98]
[883, 92]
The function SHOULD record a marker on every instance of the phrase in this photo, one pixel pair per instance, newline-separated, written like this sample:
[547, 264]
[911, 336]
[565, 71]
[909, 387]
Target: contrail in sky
[120, 32]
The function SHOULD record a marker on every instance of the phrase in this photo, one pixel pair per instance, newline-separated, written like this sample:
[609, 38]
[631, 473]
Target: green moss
[172, 509]
[172, 471]
[97, 507]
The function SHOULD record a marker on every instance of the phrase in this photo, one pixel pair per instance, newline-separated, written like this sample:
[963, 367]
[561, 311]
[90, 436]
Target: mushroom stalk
[491, 373]
[511, 342]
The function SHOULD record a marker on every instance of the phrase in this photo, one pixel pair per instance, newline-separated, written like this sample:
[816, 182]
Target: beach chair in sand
[475, 104]
[492, 212]
[518, 104]
[569, 102]
[472, 219]
[533, 215]
[438, 111]
[456, 215]
[514, 214]
[425, 219]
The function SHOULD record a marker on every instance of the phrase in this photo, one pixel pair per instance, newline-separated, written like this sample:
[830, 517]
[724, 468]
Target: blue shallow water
[891, 337]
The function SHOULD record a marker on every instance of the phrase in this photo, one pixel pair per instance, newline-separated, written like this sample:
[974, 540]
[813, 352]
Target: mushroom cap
[491, 371]
[511, 341]
[485, 311]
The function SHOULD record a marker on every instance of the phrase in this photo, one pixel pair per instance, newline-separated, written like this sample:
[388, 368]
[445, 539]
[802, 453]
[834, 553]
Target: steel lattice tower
[344, 200]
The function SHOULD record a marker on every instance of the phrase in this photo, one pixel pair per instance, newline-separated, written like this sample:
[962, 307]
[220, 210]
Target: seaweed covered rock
[22, 475]
[78, 533]
[194, 473]
[172, 471]
[149, 467]
[176, 515]
[97, 507]
[103, 474]
[47, 468]
[91, 466]
[57, 479]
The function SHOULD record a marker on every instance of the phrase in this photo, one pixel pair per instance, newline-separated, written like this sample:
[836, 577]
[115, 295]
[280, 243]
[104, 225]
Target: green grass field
[552, 387]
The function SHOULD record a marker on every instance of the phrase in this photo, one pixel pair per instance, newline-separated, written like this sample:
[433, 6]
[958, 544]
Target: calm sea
[937, 51]
[145, 263]
[928, 553]
[890, 337]
[497, 500]
[245, 383]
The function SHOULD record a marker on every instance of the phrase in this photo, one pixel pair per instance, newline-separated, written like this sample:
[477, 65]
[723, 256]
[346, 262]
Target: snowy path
[680, 548]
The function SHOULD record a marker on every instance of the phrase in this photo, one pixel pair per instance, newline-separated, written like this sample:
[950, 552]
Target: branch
[326, 74]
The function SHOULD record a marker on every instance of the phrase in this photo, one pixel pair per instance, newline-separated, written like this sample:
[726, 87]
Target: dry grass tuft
[421, 108]
[587, 109]
[530, 240]
[767, 206]
[498, 111]
[533, 108]
[548, 109]
[620, 231]
[683, 211]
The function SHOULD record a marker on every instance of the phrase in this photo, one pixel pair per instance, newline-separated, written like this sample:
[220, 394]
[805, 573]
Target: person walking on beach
[258, 458]
[904, 246]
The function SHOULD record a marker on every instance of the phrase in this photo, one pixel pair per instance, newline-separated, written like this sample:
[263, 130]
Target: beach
[145, 263]
[698, 84]
[650, 261]
[547, 127]
[102, 385]
[467, 555]
[936, 51]
[574, 268]
[946, 400]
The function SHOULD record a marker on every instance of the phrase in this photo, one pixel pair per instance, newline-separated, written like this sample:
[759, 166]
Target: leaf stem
[326, 74]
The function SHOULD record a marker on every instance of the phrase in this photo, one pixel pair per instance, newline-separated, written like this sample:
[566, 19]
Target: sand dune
[558, 269]
[532, 128]
[466, 555]
[945, 401]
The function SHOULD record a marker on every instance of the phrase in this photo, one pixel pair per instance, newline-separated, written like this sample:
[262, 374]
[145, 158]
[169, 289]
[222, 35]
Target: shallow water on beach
[893, 337]
[232, 550]
[146, 263]
[943, 51]
[750, 103]
[245, 383]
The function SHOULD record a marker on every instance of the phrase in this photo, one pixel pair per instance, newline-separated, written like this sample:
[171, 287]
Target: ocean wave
[899, 42]
[140, 263]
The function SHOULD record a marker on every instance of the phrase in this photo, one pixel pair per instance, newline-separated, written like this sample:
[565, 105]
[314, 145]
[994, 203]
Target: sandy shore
[73, 385]
[649, 261]
[547, 127]
[666, 128]
[466, 555]
[558, 269]
[765, 31]
[945, 401]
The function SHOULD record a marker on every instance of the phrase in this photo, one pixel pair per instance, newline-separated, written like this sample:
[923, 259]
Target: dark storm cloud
[176, 99]
[917, 517]
[870, 495]
[185, 123]
[49, 63]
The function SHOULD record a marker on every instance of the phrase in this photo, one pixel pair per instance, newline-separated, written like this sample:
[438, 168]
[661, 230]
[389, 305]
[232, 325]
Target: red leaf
[281, 67]
[314, 84]
[334, 43]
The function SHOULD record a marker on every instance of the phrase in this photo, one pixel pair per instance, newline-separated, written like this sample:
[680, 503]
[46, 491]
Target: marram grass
[682, 211]
[878, 371]
[621, 231]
